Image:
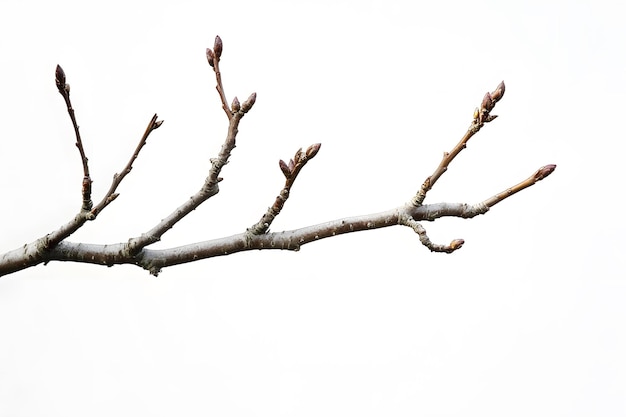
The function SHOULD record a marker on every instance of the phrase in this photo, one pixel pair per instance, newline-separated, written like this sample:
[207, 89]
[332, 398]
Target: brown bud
[247, 105]
[544, 172]
[456, 244]
[157, 124]
[59, 78]
[283, 167]
[291, 165]
[210, 56]
[498, 92]
[313, 150]
[235, 106]
[487, 103]
[217, 47]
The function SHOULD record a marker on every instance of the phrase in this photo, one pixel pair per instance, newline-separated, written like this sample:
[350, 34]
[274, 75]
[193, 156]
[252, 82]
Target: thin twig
[481, 116]
[118, 177]
[64, 90]
[291, 171]
[540, 174]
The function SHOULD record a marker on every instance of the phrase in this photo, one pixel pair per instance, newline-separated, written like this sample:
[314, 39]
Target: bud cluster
[483, 115]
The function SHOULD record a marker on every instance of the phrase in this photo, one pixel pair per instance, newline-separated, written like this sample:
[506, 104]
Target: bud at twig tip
[456, 244]
[217, 47]
[59, 78]
[544, 172]
[247, 105]
[498, 92]
[313, 150]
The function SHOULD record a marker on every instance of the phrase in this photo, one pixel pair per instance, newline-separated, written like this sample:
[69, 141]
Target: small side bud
[487, 103]
[247, 105]
[210, 56]
[313, 150]
[498, 92]
[476, 113]
[456, 244]
[67, 88]
[217, 47]
[157, 124]
[544, 172]
[283, 167]
[59, 79]
[235, 106]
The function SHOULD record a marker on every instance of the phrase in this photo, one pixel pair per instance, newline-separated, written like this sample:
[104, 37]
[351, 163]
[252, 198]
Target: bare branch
[117, 178]
[64, 90]
[481, 116]
[290, 171]
[54, 247]
[532, 180]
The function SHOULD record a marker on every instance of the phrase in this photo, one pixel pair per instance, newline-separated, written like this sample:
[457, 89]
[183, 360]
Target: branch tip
[59, 78]
[217, 47]
[544, 172]
[313, 150]
[247, 105]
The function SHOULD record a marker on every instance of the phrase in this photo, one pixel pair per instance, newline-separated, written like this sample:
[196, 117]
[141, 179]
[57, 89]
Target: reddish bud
[217, 47]
[210, 56]
[498, 92]
[544, 172]
[487, 103]
[247, 105]
[235, 106]
[313, 150]
[283, 167]
[59, 78]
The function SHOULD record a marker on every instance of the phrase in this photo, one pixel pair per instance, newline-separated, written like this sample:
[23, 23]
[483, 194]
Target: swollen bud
[456, 244]
[235, 106]
[59, 78]
[210, 56]
[313, 150]
[217, 47]
[498, 92]
[283, 167]
[247, 105]
[544, 172]
[487, 103]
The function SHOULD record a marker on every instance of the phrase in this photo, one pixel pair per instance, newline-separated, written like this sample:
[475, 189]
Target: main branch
[136, 251]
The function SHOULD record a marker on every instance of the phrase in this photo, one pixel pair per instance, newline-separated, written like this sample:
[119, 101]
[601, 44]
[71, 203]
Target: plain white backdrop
[526, 319]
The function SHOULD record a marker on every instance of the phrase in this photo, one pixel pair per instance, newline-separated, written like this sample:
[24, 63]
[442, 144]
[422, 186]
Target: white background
[526, 319]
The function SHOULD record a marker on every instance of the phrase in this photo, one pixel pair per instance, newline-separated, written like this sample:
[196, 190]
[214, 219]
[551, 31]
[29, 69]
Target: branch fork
[55, 247]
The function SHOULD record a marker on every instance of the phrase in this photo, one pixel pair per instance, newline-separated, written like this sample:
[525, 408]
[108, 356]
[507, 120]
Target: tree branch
[54, 247]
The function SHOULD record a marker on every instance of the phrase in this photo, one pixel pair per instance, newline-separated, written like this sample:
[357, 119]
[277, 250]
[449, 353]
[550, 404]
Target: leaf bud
[247, 105]
[236, 105]
[313, 150]
[498, 92]
[487, 103]
[544, 172]
[283, 167]
[59, 78]
[217, 47]
[210, 56]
